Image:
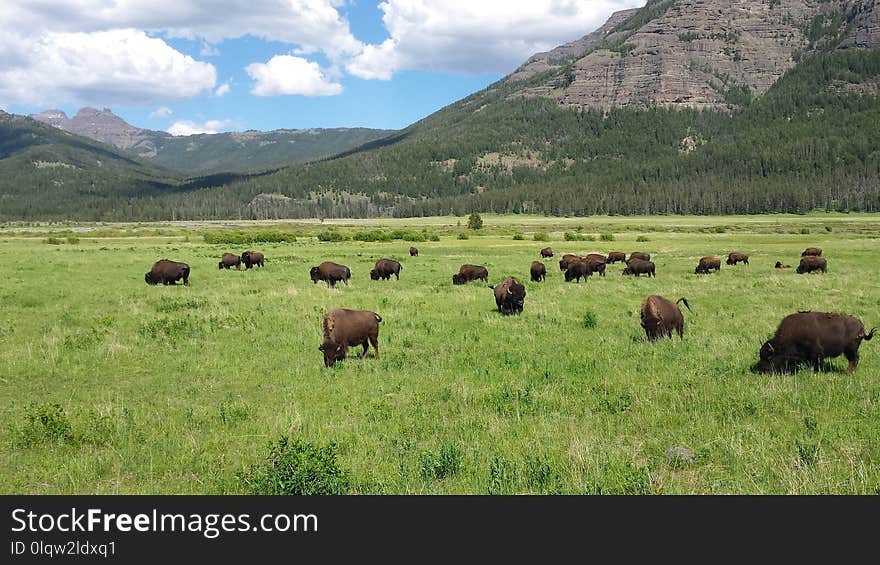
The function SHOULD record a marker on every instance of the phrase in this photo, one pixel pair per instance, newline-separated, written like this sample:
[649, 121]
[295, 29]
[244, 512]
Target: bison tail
[870, 336]
[684, 301]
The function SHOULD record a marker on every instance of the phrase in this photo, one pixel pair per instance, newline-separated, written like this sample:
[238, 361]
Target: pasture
[112, 386]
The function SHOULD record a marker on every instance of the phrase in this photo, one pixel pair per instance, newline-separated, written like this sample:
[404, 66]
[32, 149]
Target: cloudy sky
[190, 66]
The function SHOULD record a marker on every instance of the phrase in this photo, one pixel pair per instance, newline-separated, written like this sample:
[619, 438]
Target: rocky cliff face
[701, 53]
[100, 125]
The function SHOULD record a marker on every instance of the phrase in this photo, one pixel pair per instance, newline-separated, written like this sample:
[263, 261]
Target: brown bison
[385, 268]
[781, 265]
[331, 273]
[596, 263]
[735, 258]
[566, 260]
[812, 263]
[578, 270]
[812, 252]
[660, 316]
[538, 271]
[637, 255]
[546, 252]
[616, 257]
[413, 252]
[638, 267]
[809, 338]
[167, 272]
[228, 261]
[251, 258]
[707, 264]
[510, 296]
[349, 328]
[468, 273]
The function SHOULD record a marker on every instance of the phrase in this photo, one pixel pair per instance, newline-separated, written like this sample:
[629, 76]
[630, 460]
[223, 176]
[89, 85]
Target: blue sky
[190, 66]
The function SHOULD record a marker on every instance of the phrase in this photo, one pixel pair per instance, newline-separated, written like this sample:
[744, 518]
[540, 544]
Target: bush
[54, 241]
[463, 236]
[607, 237]
[444, 463]
[434, 237]
[332, 235]
[518, 237]
[540, 236]
[475, 222]
[590, 320]
[642, 239]
[43, 422]
[294, 467]
[373, 235]
[72, 239]
[249, 236]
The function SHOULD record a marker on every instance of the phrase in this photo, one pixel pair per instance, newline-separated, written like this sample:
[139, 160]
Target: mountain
[211, 153]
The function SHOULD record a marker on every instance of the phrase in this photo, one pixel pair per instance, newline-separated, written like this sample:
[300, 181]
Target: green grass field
[111, 386]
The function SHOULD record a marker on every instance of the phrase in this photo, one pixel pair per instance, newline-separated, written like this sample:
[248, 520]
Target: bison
[707, 264]
[349, 328]
[468, 273]
[167, 272]
[811, 263]
[809, 338]
[616, 257]
[596, 263]
[734, 258]
[385, 268]
[637, 267]
[228, 261]
[413, 252]
[812, 252]
[781, 265]
[546, 252]
[578, 270]
[566, 260]
[637, 255]
[251, 258]
[510, 296]
[538, 271]
[331, 273]
[660, 316]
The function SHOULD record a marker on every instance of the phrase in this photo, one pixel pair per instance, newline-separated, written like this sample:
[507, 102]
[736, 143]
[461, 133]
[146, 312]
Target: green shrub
[607, 237]
[541, 236]
[463, 235]
[444, 463]
[332, 235]
[518, 237]
[246, 237]
[43, 423]
[372, 235]
[642, 239]
[294, 467]
[590, 320]
[54, 241]
[72, 239]
[475, 222]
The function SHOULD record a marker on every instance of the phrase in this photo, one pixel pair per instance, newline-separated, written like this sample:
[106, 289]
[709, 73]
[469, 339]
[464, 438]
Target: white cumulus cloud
[186, 127]
[287, 74]
[222, 89]
[488, 36]
[123, 66]
[161, 112]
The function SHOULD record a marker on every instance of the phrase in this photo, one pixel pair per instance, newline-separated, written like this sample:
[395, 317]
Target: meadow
[112, 386]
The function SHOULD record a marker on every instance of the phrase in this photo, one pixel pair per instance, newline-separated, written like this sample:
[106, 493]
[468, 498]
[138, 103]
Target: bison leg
[680, 329]
[852, 355]
[374, 341]
[366, 346]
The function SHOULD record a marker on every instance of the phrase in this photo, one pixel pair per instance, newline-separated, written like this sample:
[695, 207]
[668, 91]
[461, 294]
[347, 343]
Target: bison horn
[509, 291]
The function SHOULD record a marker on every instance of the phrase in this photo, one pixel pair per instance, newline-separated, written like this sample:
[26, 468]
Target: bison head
[457, 278]
[220, 265]
[772, 359]
[333, 352]
[516, 297]
[374, 274]
[802, 268]
[150, 279]
[315, 273]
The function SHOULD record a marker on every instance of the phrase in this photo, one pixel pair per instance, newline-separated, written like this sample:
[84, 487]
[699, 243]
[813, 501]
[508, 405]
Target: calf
[637, 267]
[228, 261]
[510, 296]
[538, 271]
[167, 272]
[413, 252]
[707, 264]
[781, 265]
[546, 252]
[660, 316]
[468, 273]
[331, 273]
[808, 338]
[812, 263]
[735, 258]
[384, 269]
[349, 328]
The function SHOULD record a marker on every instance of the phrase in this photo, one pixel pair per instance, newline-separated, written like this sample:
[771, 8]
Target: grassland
[111, 386]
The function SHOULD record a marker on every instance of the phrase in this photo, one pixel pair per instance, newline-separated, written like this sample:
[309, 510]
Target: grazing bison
[811, 263]
[468, 273]
[413, 252]
[578, 270]
[167, 272]
[812, 252]
[781, 265]
[639, 267]
[385, 268]
[538, 271]
[331, 273]
[349, 328]
[660, 316]
[637, 255]
[596, 263]
[566, 260]
[616, 257]
[510, 296]
[251, 258]
[228, 261]
[735, 258]
[707, 264]
[808, 338]
[546, 252]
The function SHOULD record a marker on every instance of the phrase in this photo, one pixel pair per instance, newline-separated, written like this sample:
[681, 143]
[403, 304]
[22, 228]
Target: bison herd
[802, 339]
